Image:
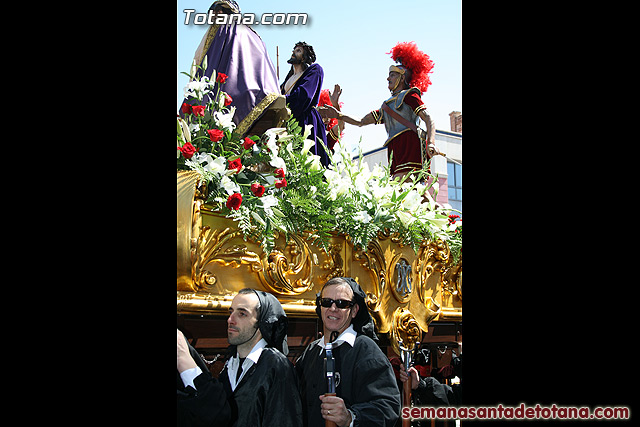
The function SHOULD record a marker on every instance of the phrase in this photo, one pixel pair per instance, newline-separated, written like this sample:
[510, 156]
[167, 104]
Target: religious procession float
[255, 208]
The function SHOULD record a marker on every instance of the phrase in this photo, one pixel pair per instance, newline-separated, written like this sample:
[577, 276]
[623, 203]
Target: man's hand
[328, 112]
[334, 409]
[415, 379]
[185, 361]
[335, 96]
[433, 150]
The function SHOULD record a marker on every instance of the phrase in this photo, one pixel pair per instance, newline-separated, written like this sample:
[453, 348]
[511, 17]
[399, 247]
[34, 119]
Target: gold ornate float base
[405, 291]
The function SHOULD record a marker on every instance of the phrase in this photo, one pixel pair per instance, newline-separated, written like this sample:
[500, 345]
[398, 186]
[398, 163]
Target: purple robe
[302, 100]
[239, 52]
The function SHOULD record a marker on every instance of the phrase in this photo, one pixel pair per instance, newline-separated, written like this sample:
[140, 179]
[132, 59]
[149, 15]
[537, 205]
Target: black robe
[206, 406]
[367, 383]
[267, 395]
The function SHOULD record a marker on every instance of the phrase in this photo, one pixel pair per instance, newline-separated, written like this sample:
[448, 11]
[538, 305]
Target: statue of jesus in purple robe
[302, 88]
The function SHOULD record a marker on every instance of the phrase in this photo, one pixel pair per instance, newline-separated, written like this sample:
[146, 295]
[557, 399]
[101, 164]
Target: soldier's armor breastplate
[396, 102]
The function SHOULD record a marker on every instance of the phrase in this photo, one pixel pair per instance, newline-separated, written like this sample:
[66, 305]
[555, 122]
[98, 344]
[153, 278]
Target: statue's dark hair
[309, 56]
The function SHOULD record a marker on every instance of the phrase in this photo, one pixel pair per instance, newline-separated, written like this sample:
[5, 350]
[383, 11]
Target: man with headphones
[259, 380]
[366, 390]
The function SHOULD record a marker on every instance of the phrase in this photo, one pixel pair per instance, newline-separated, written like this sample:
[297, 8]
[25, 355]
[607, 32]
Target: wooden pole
[330, 371]
[328, 423]
[406, 389]
[278, 63]
[406, 401]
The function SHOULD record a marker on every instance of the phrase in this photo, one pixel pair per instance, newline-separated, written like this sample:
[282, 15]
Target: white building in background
[448, 170]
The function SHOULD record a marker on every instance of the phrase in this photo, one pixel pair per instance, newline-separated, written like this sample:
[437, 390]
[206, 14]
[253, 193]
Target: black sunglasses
[340, 303]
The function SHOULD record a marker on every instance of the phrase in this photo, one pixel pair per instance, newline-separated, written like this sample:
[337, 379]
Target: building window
[454, 182]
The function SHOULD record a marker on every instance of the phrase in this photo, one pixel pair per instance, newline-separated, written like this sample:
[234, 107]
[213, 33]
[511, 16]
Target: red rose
[227, 100]
[281, 183]
[234, 201]
[186, 108]
[235, 164]
[248, 143]
[215, 134]
[188, 150]
[257, 189]
[198, 110]
[222, 77]
[279, 173]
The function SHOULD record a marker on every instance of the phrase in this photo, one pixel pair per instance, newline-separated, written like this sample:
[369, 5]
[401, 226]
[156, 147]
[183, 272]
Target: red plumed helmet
[418, 62]
[325, 98]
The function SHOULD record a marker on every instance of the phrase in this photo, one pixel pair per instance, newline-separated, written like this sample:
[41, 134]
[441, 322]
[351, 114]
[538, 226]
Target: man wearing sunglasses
[366, 390]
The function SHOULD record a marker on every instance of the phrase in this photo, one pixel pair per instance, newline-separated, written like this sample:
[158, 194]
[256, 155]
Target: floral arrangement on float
[274, 183]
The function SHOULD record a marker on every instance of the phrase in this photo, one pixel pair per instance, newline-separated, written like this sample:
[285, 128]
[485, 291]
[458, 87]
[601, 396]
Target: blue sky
[351, 39]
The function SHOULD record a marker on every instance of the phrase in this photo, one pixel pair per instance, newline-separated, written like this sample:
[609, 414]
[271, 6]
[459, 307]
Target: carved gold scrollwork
[452, 280]
[334, 263]
[373, 260]
[186, 223]
[210, 249]
[279, 275]
[432, 257]
[404, 330]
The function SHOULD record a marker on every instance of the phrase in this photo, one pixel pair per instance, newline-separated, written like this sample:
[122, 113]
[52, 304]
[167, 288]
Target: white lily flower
[315, 163]
[441, 223]
[193, 68]
[405, 218]
[219, 165]
[307, 131]
[269, 201]
[197, 88]
[362, 216]
[193, 127]
[201, 158]
[331, 175]
[229, 186]
[342, 187]
[184, 130]
[377, 172]
[307, 144]
[431, 203]
[278, 162]
[273, 134]
[362, 178]
[225, 120]
[412, 201]
[382, 194]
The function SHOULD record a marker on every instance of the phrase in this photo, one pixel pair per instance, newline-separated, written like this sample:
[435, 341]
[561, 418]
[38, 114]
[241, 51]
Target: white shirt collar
[256, 351]
[252, 358]
[348, 336]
